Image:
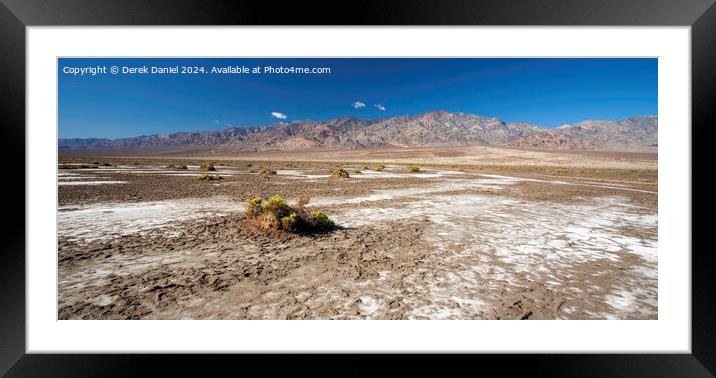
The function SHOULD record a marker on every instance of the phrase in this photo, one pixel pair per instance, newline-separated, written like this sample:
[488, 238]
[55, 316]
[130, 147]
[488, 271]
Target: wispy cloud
[222, 123]
[279, 115]
[358, 105]
[380, 107]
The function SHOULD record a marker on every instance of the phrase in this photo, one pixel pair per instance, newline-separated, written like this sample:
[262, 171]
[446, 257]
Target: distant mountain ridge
[435, 128]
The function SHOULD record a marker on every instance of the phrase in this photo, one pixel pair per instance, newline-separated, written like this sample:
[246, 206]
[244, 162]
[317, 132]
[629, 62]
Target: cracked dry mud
[446, 243]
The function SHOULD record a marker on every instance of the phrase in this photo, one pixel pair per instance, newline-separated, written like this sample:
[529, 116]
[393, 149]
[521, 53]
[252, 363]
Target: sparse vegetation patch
[276, 214]
[207, 167]
[414, 169]
[339, 172]
[208, 177]
[267, 171]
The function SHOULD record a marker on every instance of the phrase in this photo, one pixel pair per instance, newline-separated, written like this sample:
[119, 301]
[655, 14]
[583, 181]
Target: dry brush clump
[276, 214]
[267, 171]
[208, 177]
[339, 172]
[207, 167]
[414, 169]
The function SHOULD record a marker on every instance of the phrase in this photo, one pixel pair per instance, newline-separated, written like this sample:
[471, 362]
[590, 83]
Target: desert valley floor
[552, 236]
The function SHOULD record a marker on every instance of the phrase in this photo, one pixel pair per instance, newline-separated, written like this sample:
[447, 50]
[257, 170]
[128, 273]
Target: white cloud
[358, 105]
[380, 107]
[279, 115]
[222, 123]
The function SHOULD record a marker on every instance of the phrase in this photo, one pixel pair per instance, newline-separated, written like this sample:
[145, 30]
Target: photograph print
[357, 188]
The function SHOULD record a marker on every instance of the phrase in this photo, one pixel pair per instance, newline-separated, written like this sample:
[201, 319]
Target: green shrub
[277, 214]
[253, 170]
[321, 221]
[278, 205]
[289, 222]
[253, 206]
[208, 177]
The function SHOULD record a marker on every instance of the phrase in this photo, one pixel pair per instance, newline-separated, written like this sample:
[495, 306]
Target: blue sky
[546, 92]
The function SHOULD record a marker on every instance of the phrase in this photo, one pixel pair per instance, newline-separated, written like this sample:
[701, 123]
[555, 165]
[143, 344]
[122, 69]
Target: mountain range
[435, 128]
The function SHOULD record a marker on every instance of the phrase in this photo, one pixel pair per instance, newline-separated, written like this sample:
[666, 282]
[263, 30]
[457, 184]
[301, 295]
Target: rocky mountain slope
[628, 134]
[438, 128]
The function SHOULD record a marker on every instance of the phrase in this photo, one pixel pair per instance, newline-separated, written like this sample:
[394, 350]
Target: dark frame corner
[16, 15]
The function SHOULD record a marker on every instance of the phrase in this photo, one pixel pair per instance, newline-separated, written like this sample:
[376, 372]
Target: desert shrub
[276, 204]
[379, 168]
[365, 167]
[320, 221]
[267, 171]
[277, 214]
[208, 177]
[207, 167]
[289, 222]
[339, 172]
[249, 165]
[414, 169]
[253, 206]
[356, 171]
[253, 170]
[95, 162]
[106, 165]
[182, 167]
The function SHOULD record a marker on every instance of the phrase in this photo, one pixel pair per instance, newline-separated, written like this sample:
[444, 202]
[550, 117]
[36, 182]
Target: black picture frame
[16, 15]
